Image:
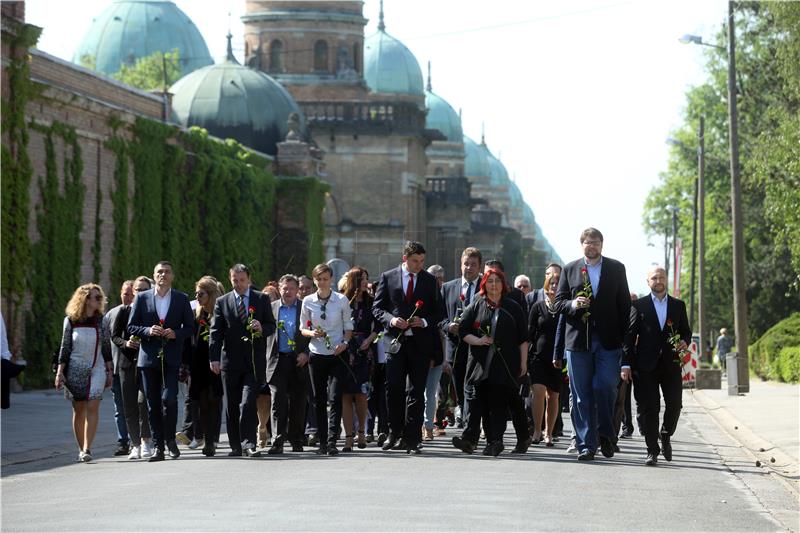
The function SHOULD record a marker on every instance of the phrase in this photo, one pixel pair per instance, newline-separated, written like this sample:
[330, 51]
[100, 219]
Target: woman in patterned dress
[84, 362]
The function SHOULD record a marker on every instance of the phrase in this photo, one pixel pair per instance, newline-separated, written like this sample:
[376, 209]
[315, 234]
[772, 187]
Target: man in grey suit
[237, 348]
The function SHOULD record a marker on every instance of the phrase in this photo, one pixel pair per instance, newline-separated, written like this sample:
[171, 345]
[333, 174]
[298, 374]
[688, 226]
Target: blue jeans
[593, 380]
[431, 386]
[119, 411]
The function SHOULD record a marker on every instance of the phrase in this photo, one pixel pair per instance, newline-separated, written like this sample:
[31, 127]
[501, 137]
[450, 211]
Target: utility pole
[739, 299]
[701, 215]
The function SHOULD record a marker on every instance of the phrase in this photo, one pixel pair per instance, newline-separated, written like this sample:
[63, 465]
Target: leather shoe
[401, 445]
[389, 442]
[586, 455]
[382, 438]
[158, 455]
[322, 450]
[497, 448]
[652, 459]
[121, 450]
[522, 446]
[606, 447]
[416, 449]
[275, 449]
[333, 450]
[464, 445]
[174, 452]
[297, 447]
[666, 447]
[209, 450]
[252, 452]
[235, 453]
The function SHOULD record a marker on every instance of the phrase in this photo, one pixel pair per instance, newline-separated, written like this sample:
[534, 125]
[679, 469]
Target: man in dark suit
[109, 319]
[287, 369]
[456, 295]
[656, 362]
[399, 291]
[593, 294]
[241, 355]
[162, 319]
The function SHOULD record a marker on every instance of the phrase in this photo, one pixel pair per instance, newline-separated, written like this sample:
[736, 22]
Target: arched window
[276, 56]
[321, 56]
[357, 57]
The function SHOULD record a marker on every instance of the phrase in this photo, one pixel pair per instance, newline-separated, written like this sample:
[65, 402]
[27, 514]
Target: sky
[576, 98]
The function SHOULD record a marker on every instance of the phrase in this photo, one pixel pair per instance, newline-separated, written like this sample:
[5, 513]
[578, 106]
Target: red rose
[419, 304]
[202, 322]
[669, 322]
[308, 324]
[476, 325]
[583, 270]
[461, 298]
[251, 309]
[161, 321]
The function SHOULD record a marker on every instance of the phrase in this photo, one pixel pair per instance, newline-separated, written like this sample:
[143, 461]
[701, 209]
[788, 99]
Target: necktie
[410, 288]
[241, 310]
[468, 296]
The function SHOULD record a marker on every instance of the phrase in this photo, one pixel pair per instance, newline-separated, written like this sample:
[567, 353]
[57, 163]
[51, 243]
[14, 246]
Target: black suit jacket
[227, 329]
[124, 357]
[534, 296]
[609, 309]
[653, 342]
[390, 302]
[453, 307]
[179, 318]
[301, 342]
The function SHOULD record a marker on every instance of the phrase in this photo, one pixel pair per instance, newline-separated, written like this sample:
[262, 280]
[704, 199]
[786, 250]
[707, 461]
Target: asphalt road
[711, 485]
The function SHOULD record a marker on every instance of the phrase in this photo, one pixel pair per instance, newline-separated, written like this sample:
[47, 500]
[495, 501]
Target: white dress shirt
[338, 319]
[661, 309]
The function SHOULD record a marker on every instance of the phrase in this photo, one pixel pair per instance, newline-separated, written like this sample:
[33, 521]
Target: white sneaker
[573, 448]
[196, 444]
[87, 456]
[147, 449]
[136, 453]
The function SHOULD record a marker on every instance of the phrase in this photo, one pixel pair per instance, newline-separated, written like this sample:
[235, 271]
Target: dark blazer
[534, 296]
[225, 342]
[179, 318]
[390, 302]
[453, 307]
[519, 297]
[301, 345]
[653, 342]
[609, 309]
[123, 357]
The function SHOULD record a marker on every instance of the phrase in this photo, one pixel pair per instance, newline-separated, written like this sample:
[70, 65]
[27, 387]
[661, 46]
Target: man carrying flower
[237, 349]
[409, 305]
[656, 359]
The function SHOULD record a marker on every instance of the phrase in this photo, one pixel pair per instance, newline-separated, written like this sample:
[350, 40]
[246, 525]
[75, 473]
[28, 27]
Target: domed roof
[497, 170]
[132, 29]
[441, 116]
[475, 162]
[390, 67]
[233, 101]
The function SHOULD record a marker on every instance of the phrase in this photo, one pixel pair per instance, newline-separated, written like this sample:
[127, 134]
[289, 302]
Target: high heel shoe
[348, 444]
[536, 440]
[548, 441]
[362, 440]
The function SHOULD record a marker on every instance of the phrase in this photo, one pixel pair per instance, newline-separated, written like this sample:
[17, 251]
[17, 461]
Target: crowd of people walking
[315, 363]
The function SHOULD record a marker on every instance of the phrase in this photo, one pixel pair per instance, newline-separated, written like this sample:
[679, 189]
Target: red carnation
[251, 309]
[476, 325]
[419, 304]
[308, 324]
[461, 298]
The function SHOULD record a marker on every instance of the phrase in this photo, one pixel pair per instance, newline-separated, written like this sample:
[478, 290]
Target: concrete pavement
[712, 484]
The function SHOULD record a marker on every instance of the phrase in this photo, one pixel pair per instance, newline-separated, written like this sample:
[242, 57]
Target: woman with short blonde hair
[84, 362]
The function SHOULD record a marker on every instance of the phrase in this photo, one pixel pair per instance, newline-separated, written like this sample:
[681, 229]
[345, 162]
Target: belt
[285, 353]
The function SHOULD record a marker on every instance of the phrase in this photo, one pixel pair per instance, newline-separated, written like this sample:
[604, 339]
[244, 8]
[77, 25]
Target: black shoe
[416, 449]
[459, 423]
[312, 440]
[322, 450]
[277, 449]
[401, 445]
[389, 443]
[522, 447]
[616, 448]
[666, 447]
[235, 453]
[487, 450]
[297, 447]
[174, 452]
[158, 455]
[382, 438]
[586, 455]
[370, 437]
[464, 445]
[252, 452]
[626, 434]
[652, 459]
[122, 449]
[333, 450]
[209, 450]
[606, 447]
[497, 448]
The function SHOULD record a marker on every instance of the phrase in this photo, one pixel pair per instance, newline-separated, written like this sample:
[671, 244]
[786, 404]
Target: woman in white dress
[84, 362]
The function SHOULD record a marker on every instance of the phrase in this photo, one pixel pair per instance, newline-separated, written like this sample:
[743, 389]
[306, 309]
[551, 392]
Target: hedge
[776, 355]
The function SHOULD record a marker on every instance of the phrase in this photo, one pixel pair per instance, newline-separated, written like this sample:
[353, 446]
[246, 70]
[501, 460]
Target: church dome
[132, 29]
[475, 162]
[497, 170]
[389, 66]
[233, 101]
[441, 116]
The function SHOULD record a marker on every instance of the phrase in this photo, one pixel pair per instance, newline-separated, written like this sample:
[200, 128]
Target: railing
[394, 114]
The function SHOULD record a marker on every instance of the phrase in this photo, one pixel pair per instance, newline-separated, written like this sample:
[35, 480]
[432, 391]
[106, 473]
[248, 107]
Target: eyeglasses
[592, 243]
[198, 294]
[323, 308]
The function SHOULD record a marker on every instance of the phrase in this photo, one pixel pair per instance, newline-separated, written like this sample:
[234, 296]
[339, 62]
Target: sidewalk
[766, 421]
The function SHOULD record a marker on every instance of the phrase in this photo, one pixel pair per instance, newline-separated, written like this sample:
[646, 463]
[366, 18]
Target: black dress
[205, 386]
[356, 380]
[542, 323]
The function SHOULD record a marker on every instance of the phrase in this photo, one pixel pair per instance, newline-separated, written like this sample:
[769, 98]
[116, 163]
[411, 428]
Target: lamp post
[739, 299]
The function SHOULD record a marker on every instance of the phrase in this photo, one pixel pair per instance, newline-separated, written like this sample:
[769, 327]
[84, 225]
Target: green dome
[390, 67]
[475, 162]
[232, 101]
[497, 171]
[132, 29]
[442, 117]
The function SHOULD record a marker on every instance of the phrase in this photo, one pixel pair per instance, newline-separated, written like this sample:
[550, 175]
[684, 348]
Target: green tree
[152, 72]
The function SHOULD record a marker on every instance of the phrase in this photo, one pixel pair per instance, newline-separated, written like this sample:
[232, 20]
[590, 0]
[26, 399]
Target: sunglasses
[323, 309]
[97, 298]
[198, 294]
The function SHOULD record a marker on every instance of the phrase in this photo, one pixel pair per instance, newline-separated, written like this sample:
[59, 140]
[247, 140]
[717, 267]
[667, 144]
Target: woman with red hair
[495, 328]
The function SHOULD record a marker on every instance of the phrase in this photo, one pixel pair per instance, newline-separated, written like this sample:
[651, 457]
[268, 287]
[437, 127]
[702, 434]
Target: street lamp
[739, 300]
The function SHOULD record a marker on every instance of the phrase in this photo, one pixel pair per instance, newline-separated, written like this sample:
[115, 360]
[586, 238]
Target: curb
[780, 465]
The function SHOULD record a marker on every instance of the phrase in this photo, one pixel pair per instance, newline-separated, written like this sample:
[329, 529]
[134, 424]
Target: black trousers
[9, 370]
[627, 420]
[460, 372]
[162, 401]
[288, 388]
[619, 407]
[406, 377]
[377, 400]
[492, 404]
[209, 415]
[134, 404]
[191, 417]
[326, 378]
[667, 377]
[241, 389]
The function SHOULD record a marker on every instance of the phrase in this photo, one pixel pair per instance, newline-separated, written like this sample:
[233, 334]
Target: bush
[776, 355]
